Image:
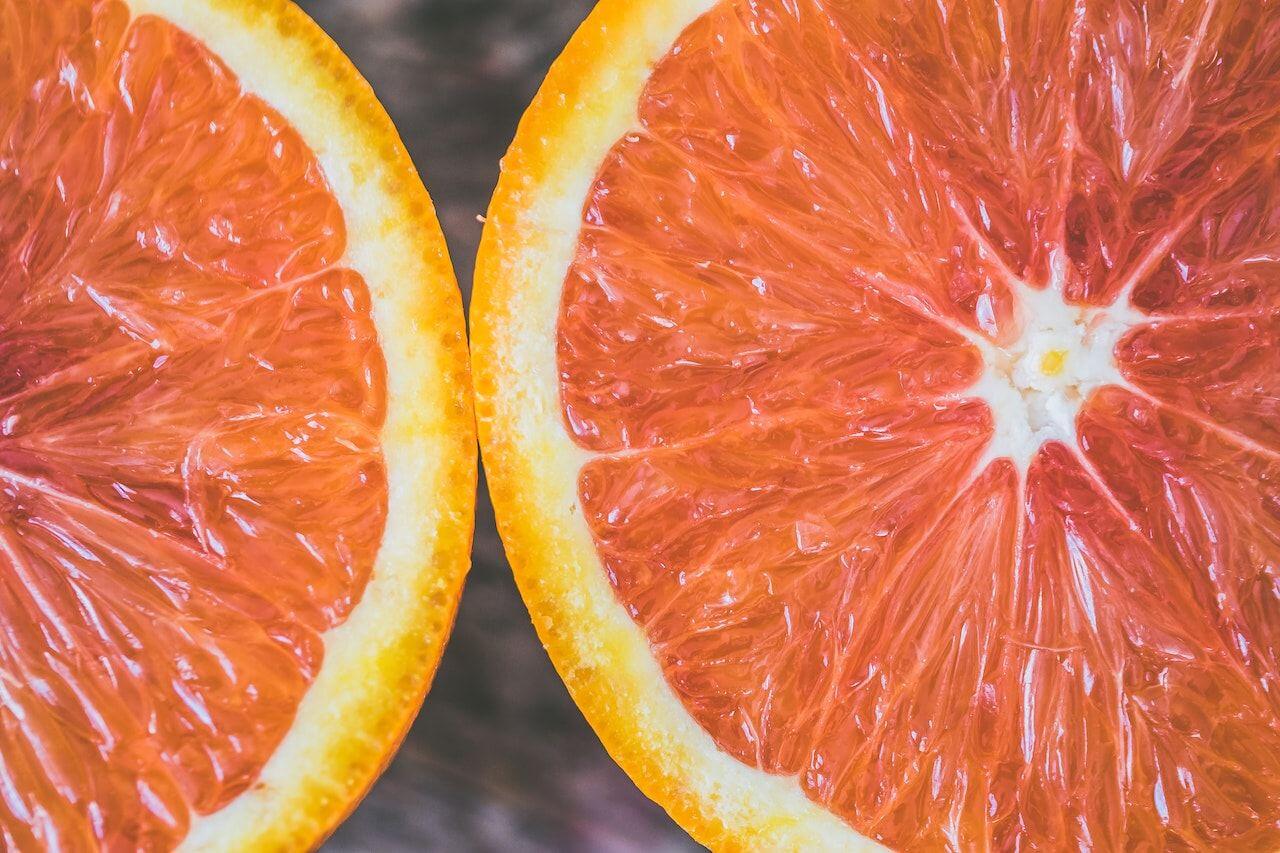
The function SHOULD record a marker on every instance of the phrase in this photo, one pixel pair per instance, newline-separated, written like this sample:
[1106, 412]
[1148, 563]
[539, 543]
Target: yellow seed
[1052, 362]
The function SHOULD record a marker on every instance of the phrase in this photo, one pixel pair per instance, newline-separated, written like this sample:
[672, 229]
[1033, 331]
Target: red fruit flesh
[769, 336]
[188, 378]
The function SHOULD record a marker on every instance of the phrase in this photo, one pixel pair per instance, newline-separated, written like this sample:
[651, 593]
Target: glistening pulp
[189, 375]
[928, 357]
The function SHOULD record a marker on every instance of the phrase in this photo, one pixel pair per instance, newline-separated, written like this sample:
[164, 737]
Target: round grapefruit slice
[880, 404]
[236, 466]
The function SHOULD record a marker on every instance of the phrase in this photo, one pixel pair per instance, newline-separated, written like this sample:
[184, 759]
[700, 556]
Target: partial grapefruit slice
[880, 404]
[236, 467]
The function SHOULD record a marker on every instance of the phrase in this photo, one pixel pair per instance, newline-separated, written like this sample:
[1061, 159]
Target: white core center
[1036, 386]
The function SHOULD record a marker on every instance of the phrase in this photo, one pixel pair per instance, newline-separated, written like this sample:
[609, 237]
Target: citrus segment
[729, 350]
[1182, 484]
[192, 393]
[925, 358]
[1177, 107]
[1225, 371]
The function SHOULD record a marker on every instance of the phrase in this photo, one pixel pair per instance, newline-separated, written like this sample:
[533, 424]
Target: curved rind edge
[586, 103]
[380, 663]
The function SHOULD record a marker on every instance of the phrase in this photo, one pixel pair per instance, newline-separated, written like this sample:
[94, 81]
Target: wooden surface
[500, 759]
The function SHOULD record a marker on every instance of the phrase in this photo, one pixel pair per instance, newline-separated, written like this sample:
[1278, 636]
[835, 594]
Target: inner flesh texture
[790, 281]
[191, 484]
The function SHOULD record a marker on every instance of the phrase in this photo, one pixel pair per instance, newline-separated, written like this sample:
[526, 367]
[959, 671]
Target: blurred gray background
[499, 759]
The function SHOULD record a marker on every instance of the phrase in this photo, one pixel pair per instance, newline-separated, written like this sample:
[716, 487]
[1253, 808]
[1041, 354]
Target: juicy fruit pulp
[803, 287]
[188, 378]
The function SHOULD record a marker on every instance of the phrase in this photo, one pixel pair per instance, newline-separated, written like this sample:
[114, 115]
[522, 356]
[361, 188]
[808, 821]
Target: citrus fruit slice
[879, 401]
[236, 466]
